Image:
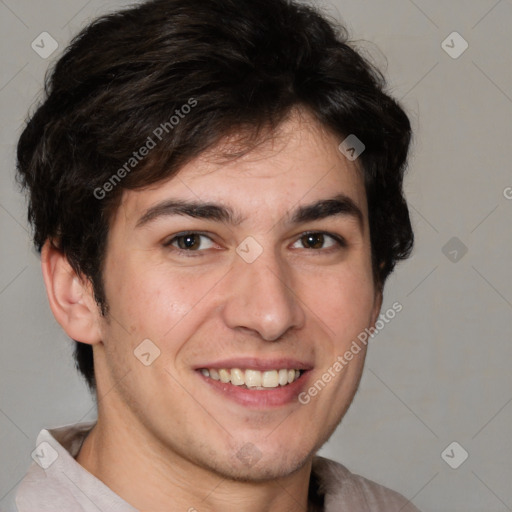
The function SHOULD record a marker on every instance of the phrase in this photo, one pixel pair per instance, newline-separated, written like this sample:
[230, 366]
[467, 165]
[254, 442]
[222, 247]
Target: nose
[261, 297]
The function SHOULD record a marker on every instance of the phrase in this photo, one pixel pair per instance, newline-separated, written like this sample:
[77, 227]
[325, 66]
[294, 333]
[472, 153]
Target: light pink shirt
[55, 482]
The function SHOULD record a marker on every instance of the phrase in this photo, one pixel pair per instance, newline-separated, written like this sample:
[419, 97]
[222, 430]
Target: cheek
[344, 302]
[159, 303]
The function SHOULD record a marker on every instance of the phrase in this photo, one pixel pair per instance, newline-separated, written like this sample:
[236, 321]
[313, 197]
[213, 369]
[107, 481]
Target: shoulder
[343, 489]
[41, 492]
[56, 482]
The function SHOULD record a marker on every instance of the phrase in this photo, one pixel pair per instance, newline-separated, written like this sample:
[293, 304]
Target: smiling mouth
[253, 379]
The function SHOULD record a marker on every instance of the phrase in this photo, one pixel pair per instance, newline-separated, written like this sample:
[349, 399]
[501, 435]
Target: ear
[70, 296]
[377, 304]
[377, 300]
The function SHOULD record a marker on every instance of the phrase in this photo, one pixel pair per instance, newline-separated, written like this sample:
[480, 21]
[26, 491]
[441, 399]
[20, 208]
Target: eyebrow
[339, 205]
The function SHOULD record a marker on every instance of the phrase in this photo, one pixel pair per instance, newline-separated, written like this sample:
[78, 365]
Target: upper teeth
[253, 378]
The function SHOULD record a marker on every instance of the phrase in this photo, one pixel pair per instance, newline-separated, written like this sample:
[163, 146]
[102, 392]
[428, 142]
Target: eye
[190, 242]
[319, 240]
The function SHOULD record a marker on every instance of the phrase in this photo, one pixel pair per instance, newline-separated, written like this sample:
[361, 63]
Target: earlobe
[71, 299]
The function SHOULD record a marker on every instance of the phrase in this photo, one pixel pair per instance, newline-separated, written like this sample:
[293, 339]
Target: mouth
[253, 379]
[257, 384]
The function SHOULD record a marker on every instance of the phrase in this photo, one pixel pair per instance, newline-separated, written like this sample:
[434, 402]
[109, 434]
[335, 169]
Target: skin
[165, 439]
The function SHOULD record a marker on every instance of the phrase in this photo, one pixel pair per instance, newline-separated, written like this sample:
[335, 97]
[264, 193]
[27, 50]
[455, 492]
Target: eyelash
[340, 242]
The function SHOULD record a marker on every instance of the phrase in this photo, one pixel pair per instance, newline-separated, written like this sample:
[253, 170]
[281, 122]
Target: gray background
[437, 373]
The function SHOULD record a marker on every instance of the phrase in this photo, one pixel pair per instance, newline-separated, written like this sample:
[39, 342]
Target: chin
[249, 464]
[268, 468]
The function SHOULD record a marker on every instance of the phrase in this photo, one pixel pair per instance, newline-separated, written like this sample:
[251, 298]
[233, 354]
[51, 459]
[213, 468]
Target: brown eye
[313, 240]
[190, 242]
[319, 240]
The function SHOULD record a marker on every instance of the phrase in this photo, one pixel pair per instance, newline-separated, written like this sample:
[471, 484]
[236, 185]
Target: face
[247, 278]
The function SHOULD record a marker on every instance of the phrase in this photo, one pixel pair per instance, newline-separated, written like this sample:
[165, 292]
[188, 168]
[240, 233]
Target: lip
[258, 398]
[254, 363]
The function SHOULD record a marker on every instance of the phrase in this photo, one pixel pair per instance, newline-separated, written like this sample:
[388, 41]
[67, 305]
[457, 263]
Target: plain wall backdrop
[438, 372]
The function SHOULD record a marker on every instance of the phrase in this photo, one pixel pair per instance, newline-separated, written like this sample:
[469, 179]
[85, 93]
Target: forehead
[296, 164]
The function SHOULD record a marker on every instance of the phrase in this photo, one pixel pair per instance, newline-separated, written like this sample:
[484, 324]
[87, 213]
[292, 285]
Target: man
[216, 191]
